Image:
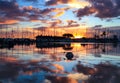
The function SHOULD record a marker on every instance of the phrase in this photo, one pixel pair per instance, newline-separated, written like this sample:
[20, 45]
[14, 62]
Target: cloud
[11, 12]
[50, 24]
[55, 23]
[71, 3]
[97, 26]
[8, 5]
[78, 76]
[58, 67]
[46, 11]
[60, 79]
[78, 3]
[101, 9]
[31, 0]
[86, 11]
[56, 2]
[72, 23]
[59, 14]
[9, 22]
[8, 10]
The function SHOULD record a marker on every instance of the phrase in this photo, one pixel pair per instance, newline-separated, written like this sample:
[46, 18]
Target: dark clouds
[98, 8]
[60, 23]
[51, 2]
[101, 9]
[72, 23]
[46, 11]
[11, 12]
[86, 11]
[8, 5]
[55, 23]
[8, 10]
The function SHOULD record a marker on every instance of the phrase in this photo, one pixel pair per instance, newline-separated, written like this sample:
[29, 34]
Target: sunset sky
[64, 15]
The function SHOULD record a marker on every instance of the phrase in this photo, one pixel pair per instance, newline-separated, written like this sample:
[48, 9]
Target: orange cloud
[28, 7]
[8, 59]
[59, 11]
[9, 22]
[78, 4]
[58, 67]
[78, 76]
[58, 14]
[71, 3]
[56, 79]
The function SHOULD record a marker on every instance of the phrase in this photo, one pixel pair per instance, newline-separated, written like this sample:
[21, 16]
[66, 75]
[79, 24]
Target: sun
[78, 36]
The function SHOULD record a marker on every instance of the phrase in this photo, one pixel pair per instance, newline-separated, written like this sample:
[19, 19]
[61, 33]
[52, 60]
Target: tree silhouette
[104, 34]
[68, 35]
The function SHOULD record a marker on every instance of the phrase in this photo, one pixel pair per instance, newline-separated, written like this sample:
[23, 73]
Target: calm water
[66, 63]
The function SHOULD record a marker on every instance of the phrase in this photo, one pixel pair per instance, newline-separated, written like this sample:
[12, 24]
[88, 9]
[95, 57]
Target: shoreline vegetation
[58, 39]
[52, 41]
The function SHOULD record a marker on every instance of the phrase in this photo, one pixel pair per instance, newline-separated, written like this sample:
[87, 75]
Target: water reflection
[60, 63]
[69, 55]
